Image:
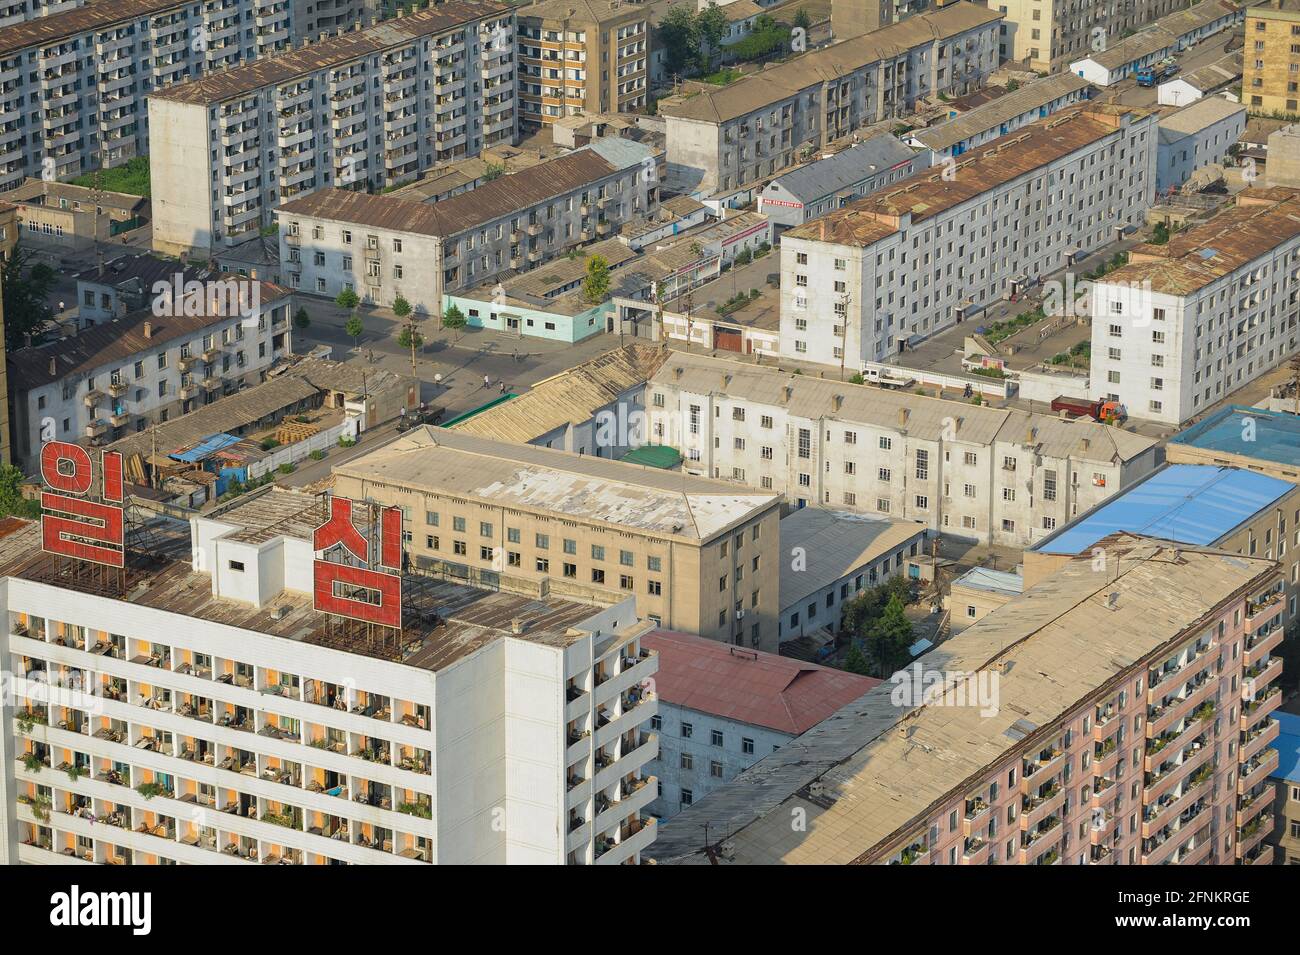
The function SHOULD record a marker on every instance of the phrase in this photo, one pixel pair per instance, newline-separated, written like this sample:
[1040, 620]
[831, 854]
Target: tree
[410, 338]
[856, 662]
[802, 20]
[889, 638]
[679, 35]
[354, 328]
[401, 307]
[493, 170]
[347, 299]
[25, 308]
[712, 26]
[12, 502]
[301, 319]
[454, 320]
[596, 284]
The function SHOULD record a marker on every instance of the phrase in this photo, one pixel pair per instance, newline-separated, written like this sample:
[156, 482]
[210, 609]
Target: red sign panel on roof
[371, 593]
[72, 523]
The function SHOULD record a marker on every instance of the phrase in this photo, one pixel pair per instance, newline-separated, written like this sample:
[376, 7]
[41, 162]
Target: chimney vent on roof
[1087, 443]
[516, 625]
[1112, 600]
[148, 329]
[54, 367]
[836, 402]
[1030, 434]
[789, 392]
[903, 415]
[677, 372]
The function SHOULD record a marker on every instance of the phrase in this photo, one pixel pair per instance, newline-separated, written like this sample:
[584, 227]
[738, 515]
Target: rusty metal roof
[44, 31]
[334, 51]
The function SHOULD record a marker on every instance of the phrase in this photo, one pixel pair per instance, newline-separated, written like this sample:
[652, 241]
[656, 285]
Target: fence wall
[293, 453]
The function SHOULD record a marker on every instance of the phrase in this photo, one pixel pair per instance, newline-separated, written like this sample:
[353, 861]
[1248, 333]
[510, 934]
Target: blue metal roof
[1254, 432]
[1185, 503]
[1288, 748]
[205, 448]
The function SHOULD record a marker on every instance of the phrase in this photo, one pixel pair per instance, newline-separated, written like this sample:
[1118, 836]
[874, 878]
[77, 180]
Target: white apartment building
[884, 272]
[367, 109]
[720, 140]
[19, 11]
[73, 84]
[380, 246]
[122, 374]
[1187, 323]
[209, 715]
[990, 475]
[1196, 136]
[310, 17]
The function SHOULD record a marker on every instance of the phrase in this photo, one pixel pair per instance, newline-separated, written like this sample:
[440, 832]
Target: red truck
[1099, 410]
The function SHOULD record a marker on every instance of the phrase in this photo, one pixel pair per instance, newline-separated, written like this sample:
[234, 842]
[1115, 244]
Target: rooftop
[1274, 435]
[504, 196]
[927, 193]
[775, 83]
[39, 191]
[144, 269]
[849, 166]
[835, 544]
[48, 30]
[749, 686]
[557, 482]
[865, 786]
[1221, 72]
[1164, 33]
[994, 581]
[117, 340]
[585, 11]
[920, 416]
[328, 53]
[1260, 221]
[993, 114]
[1201, 114]
[1287, 745]
[1184, 503]
[570, 397]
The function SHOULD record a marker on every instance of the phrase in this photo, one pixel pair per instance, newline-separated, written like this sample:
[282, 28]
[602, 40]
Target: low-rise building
[832, 557]
[928, 767]
[720, 140]
[60, 217]
[868, 280]
[1212, 78]
[978, 592]
[999, 117]
[381, 247]
[211, 713]
[1171, 34]
[699, 555]
[674, 216]
[722, 709]
[828, 183]
[992, 475]
[1252, 439]
[358, 110]
[1286, 780]
[1186, 323]
[1194, 137]
[127, 284]
[185, 350]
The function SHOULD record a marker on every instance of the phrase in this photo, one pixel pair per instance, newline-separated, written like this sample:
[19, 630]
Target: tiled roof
[749, 686]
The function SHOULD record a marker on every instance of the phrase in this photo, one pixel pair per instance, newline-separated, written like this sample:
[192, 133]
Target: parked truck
[1156, 73]
[1099, 410]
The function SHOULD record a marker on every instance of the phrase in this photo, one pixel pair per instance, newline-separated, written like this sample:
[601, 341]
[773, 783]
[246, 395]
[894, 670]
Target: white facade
[328, 755]
[373, 109]
[1171, 339]
[883, 277]
[1195, 137]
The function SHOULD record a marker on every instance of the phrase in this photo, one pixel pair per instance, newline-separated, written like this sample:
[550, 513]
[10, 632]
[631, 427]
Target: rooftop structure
[998, 117]
[1253, 438]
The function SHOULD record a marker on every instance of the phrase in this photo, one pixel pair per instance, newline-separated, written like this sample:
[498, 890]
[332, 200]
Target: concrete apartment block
[370, 108]
[1270, 63]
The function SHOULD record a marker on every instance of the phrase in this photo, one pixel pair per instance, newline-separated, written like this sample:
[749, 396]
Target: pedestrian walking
[487, 381]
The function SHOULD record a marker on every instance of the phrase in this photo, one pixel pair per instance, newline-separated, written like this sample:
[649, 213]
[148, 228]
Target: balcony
[96, 428]
[1035, 771]
[1258, 677]
[976, 815]
[634, 837]
[1034, 809]
[1259, 646]
[975, 851]
[1259, 737]
[1256, 770]
[1254, 711]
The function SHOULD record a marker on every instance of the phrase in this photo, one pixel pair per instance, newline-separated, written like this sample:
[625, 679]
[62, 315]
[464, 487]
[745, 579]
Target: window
[715, 737]
[687, 797]
[484, 529]
[687, 730]
[597, 552]
[687, 761]
[715, 769]
[747, 746]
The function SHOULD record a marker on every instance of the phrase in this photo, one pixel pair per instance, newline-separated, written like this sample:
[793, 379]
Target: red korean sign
[372, 593]
[72, 524]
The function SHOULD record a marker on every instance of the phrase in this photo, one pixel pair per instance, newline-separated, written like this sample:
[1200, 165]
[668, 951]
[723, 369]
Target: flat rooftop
[993, 581]
[867, 777]
[1275, 435]
[1184, 503]
[835, 543]
[927, 194]
[1203, 113]
[992, 114]
[555, 482]
[445, 620]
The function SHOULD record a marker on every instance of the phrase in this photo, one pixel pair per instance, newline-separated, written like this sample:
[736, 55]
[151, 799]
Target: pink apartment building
[1116, 713]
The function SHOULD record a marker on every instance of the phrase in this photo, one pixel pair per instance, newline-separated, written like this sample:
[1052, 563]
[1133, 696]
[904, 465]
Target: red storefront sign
[372, 593]
[72, 524]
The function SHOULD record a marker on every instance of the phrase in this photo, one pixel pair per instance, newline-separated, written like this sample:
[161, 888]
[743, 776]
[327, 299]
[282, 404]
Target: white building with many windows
[868, 280]
[986, 474]
[206, 714]
[1187, 323]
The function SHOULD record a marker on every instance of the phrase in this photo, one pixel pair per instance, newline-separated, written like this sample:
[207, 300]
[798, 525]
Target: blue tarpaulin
[205, 448]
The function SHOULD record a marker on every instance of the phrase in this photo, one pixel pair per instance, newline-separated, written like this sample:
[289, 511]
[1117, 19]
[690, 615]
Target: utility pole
[97, 196]
[844, 338]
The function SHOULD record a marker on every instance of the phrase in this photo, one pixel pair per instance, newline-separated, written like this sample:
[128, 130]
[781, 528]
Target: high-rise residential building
[1044, 34]
[993, 475]
[8, 239]
[581, 56]
[866, 281]
[721, 141]
[700, 556]
[1106, 718]
[83, 74]
[1270, 77]
[310, 17]
[364, 110]
[197, 707]
[1186, 323]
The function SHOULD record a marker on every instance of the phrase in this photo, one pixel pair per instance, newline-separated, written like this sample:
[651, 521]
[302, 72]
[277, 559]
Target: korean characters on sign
[73, 523]
[371, 593]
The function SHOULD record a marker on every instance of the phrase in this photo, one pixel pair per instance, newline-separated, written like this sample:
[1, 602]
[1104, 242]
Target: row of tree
[879, 632]
[690, 38]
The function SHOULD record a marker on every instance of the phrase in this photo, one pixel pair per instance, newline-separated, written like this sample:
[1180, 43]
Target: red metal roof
[750, 686]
